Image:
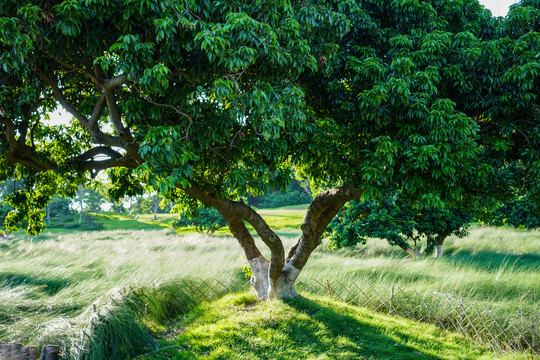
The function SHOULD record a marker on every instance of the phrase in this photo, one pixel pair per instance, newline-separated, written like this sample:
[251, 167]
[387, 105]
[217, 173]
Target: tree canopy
[217, 100]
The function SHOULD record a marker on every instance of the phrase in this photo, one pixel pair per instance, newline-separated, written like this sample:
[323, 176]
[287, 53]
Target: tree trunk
[439, 248]
[275, 278]
[413, 252]
[80, 213]
[156, 206]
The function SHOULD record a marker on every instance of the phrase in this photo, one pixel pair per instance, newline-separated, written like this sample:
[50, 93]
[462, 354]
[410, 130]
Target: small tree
[4, 210]
[398, 223]
[204, 220]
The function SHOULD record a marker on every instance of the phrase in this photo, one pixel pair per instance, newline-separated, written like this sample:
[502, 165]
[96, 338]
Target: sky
[497, 7]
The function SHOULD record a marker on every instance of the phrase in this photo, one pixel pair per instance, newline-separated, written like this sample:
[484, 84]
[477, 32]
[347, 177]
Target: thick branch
[321, 211]
[94, 165]
[99, 150]
[10, 129]
[114, 111]
[114, 82]
[98, 137]
[53, 83]
[241, 233]
[22, 157]
[245, 212]
[96, 114]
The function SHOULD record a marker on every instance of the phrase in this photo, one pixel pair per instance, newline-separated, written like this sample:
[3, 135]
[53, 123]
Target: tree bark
[156, 207]
[413, 252]
[439, 248]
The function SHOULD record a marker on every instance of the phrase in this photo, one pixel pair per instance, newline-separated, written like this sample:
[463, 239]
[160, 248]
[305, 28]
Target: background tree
[398, 223]
[220, 100]
[204, 220]
[58, 207]
[520, 212]
[295, 194]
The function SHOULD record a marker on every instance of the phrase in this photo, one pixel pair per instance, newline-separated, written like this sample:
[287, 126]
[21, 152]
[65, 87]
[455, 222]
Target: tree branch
[96, 114]
[99, 150]
[97, 166]
[53, 83]
[116, 117]
[189, 119]
[241, 233]
[10, 129]
[79, 70]
[245, 212]
[321, 211]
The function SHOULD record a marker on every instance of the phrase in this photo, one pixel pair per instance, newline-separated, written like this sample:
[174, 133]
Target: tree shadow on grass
[299, 329]
[369, 341]
[48, 286]
[490, 261]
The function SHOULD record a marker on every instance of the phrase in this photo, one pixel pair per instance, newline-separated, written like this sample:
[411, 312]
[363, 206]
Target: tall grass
[49, 283]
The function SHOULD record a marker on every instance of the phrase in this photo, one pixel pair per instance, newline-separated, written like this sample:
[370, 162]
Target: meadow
[50, 283]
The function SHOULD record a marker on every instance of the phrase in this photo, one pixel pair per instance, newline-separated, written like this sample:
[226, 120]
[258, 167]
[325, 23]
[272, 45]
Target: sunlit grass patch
[237, 328]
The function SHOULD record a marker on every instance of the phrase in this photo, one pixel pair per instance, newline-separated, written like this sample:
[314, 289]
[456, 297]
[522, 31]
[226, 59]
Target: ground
[49, 283]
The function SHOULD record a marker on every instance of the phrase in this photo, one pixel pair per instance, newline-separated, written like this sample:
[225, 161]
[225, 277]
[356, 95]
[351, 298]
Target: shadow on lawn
[490, 261]
[48, 286]
[369, 340]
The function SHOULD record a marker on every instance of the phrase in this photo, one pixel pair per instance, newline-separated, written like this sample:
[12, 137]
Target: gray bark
[413, 252]
[438, 251]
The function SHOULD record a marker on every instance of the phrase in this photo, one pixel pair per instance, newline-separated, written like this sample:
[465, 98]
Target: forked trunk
[275, 278]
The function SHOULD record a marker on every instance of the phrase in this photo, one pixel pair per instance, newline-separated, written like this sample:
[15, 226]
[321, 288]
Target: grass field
[49, 282]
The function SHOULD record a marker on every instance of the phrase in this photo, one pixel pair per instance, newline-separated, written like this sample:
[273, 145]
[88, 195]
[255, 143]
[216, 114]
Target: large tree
[217, 100]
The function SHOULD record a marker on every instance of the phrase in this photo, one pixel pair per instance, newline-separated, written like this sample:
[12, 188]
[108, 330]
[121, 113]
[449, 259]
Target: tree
[398, 223]
[220, 100]
[204, 220]
[58, 207]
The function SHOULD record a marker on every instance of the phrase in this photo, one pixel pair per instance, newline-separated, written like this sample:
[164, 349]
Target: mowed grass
[236, 327]
[49, 283]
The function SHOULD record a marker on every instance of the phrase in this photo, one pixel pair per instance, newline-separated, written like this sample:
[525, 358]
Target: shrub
[521, 212]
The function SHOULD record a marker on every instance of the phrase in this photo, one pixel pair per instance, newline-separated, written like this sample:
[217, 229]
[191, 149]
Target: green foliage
[397, 222]
[294, 195]
[4, 211]
[521, 212]
[204, 220]
[59, 207]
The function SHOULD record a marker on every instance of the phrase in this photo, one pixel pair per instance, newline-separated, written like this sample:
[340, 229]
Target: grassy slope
[237, 328]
